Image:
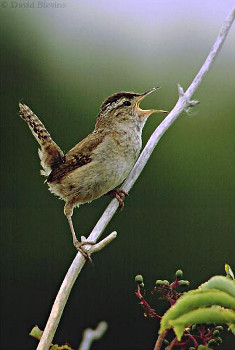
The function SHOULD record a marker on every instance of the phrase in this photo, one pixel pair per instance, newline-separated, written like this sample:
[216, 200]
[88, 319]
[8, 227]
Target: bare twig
[100, 245]
[183, 104]
[171, 345]
[160, 339]
[89, 335]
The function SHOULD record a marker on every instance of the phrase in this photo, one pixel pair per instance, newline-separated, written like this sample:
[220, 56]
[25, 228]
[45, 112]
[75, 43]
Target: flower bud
[216, 332]
[139, 279]
[219, 340]
[183, 283]
[179, 274]
[166, 282]
[159, 282]
[162, 282]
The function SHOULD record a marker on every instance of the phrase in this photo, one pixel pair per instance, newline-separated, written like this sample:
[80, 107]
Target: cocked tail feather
[50, 153]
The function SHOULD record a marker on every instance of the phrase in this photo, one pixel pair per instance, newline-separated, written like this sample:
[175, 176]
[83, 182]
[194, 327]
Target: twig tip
[180, 90]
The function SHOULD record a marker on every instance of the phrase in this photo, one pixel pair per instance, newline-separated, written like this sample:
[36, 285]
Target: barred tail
[50, 153]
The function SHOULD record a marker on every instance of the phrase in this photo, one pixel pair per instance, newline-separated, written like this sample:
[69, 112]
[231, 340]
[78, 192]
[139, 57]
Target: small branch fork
[183, 104]
[168, 293]
[148, 310]
[100, 245]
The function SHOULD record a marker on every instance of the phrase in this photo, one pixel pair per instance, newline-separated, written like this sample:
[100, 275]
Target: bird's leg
[119, 195]
[78, 245]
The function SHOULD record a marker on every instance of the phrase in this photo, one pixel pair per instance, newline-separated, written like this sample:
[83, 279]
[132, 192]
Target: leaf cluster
[196, 316]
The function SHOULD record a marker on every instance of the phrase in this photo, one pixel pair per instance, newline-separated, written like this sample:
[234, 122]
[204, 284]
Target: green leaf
[214, 314]
[36, 333]
[193, 300]
[229, 271]
[231, 327]
[220, 282]
[203, 347]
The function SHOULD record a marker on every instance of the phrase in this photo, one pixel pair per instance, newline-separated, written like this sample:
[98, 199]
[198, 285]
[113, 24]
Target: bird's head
[123, 107]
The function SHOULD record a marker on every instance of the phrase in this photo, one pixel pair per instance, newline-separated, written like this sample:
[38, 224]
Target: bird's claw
[119, 195]
[79, 246]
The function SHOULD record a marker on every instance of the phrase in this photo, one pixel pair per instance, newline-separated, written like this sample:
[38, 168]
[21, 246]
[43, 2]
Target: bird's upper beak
[147, 112]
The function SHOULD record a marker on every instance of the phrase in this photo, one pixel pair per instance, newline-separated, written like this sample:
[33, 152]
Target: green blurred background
[63, 62]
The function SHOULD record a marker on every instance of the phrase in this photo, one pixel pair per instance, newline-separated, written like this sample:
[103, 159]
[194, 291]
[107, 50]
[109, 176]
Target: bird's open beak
[147, 112]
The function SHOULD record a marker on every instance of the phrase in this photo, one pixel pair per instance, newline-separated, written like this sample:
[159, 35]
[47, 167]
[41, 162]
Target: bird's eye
[126, 103]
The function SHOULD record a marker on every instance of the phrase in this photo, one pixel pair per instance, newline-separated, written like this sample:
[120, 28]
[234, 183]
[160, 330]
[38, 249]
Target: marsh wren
[100, 162]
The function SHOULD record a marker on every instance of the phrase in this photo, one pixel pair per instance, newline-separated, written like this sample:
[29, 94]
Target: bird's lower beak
[147, 112]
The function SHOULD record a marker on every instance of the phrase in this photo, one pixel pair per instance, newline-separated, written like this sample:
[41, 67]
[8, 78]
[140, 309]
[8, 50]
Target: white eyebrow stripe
[113, 105]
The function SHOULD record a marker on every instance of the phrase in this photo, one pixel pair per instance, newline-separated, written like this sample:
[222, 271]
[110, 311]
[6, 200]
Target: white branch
[100, 245]
[182, 104]
[65, 290]
[89, 335]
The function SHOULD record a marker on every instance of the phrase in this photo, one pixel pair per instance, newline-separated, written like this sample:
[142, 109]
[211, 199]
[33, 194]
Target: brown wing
[78, 156]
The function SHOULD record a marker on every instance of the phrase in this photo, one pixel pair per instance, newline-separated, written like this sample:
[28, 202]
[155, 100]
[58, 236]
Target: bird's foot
[119, 195]
[80, 247]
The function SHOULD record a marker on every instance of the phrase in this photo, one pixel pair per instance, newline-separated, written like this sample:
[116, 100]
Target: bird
[99, 163]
